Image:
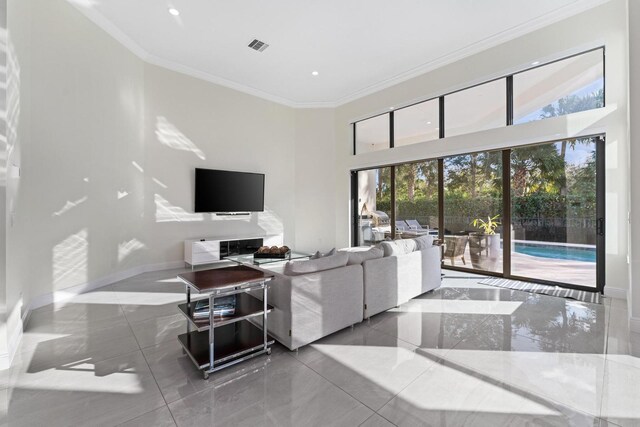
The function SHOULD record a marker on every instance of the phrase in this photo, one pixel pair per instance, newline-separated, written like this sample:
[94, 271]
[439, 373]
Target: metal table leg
[211, 336]
[264, 317]
[188, 291]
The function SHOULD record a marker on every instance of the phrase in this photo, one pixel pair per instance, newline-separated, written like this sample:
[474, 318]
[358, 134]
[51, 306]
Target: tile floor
[465, 354]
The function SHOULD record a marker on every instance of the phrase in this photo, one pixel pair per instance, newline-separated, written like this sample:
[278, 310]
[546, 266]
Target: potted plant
[484, 246]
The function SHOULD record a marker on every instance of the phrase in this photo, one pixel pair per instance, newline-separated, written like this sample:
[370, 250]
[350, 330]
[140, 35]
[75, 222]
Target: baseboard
[615, 293]
[634, 324]
[68, 293]
[13, 341]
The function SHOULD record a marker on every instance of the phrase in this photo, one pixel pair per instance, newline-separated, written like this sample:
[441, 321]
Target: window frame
[509, 101]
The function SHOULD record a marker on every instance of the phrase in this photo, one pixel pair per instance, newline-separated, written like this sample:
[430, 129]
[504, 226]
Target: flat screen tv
[227, 191]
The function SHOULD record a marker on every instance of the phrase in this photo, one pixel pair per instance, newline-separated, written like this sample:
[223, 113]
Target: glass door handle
[600, 226]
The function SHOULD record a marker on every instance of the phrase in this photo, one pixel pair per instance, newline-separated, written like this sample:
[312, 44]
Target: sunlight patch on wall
[166, 212]
[13, 98]
[160, 183]
[127, 248]
[137, 166]
[70, 260]
[84, 3]
[69, 205]
[270, 222]
[170, 136]
[122, 194]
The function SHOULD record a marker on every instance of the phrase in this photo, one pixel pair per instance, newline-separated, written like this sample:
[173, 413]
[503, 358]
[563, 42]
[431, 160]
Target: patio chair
[402, 226]
[455, 247]
[403, 229]
[415, 225]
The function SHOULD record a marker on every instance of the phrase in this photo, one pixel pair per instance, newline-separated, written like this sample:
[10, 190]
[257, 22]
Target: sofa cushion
[390, 248]
[360, 256]
[314, 265]
[406, 246]
[319, 254]
[423, 242]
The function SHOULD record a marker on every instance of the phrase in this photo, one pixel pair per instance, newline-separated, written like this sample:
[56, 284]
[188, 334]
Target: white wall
[3, 176]
[84, 128]
[107, 146]
[634, 125]
[190, 123]
[315, 157]
[604, 25]
[18, 133]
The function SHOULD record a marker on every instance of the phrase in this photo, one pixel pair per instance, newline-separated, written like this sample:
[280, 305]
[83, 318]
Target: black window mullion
[441, 133]
[509, 100]
[354, 209]
[354, 139]
[391, 134]
[392, 220]
[506, 213]
[441, 199]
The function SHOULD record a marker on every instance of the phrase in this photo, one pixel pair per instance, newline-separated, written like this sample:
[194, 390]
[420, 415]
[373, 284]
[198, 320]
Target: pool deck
[581, 273]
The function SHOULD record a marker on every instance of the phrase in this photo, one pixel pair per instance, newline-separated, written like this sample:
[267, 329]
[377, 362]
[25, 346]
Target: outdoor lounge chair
[455, 247]
[403, 229]
[415, 225]
[402, 226]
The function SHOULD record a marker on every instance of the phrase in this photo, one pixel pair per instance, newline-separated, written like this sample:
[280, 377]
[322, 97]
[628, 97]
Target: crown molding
[510, 34]
[183, 69]
[108, 27]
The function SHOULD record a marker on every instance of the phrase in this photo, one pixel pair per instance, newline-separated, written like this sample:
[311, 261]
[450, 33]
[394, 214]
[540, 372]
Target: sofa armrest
[311, 306]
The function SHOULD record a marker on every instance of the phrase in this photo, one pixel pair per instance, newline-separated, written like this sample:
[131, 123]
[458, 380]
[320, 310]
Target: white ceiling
[357, 46]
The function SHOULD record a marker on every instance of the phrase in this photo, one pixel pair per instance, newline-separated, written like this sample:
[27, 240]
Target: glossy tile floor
[465, 354]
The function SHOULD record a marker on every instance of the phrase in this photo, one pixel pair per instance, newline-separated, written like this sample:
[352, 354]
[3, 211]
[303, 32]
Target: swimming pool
[557, 252]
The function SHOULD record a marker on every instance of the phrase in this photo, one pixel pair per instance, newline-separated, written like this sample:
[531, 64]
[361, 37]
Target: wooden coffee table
[217, 342]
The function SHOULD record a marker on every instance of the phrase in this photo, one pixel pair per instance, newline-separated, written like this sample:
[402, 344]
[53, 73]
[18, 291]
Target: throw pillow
[406, 245]
[314, 265]
[358, 257]
[319, 254]
[390, 248]
[423, 242]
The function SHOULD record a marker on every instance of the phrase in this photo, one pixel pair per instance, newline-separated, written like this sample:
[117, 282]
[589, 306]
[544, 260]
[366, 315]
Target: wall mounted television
[220, 191]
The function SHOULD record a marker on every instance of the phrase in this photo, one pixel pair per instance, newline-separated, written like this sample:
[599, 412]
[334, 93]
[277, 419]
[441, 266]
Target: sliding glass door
[555, 214]
[417, 197]
[473, 214]
[532, 212]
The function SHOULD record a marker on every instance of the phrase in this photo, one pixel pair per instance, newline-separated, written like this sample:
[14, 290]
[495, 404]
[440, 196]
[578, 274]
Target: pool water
[557, 252]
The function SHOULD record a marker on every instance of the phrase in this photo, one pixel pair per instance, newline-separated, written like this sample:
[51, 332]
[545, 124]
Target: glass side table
[249, 259]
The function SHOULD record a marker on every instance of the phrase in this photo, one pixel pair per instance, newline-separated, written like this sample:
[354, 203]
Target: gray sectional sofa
[315, 298]
[395, 279]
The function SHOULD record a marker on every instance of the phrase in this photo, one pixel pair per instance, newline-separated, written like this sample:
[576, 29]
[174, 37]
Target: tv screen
[228, 191]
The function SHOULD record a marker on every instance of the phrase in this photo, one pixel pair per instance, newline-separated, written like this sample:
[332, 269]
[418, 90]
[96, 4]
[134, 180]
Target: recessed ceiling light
[428, 123]
[535, 62]
[174, 11]
[390, 108]
[314, 73]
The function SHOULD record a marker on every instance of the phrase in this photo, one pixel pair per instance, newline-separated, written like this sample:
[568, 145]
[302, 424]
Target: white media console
[213, 249]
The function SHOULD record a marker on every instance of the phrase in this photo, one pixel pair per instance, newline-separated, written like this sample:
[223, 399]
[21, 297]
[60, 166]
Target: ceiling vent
[258, 45]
